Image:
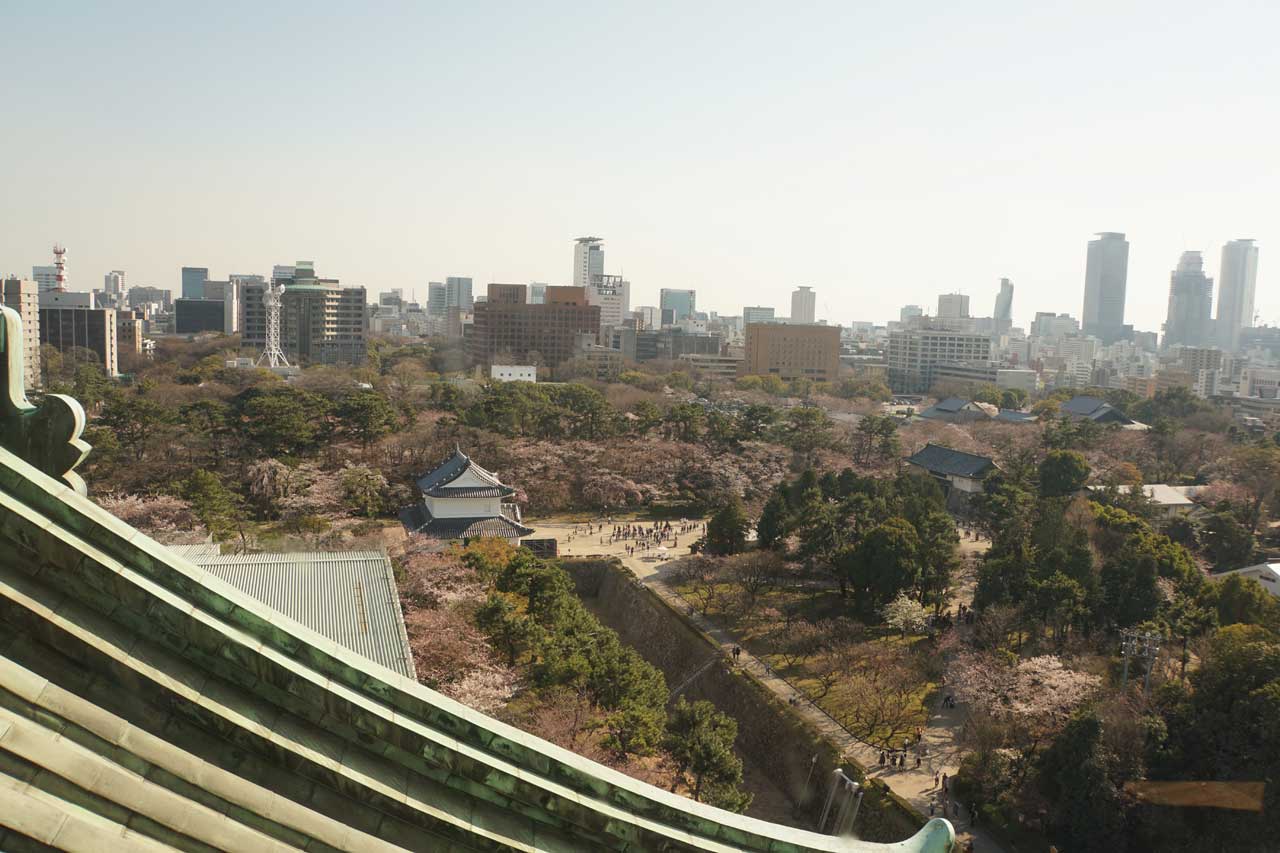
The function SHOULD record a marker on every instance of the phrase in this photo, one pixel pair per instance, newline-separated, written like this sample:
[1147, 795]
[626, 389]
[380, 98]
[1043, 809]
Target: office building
[458, 293]
[1050, 325]
[193, 279]
[391, 301]
[193, 316]
[538, 292]
[129, 325]
[113, 283]
[1187, 322]
[909, 311]
[803, 305]
[588, 260]
[757, 314]
[67, 299]
[46, 278]
[713, 367]
[681, 304]
[974, 374]
[74, 327]
[142, 295]
[667, 344]
[437, 299]
[508, 330]
[23, 296]
[1237, 281]
[913, 353]
[954, 306]
[321, 322]
[227, 293]
[1105, 279]
[613, 294]
[648, 317]
[1003, 312]
[793, 351]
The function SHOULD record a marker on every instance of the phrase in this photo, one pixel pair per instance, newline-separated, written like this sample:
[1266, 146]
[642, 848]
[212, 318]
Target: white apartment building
[912, 354]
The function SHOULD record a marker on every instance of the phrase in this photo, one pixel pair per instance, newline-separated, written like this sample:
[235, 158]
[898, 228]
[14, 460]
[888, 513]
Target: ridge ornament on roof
[47, 435]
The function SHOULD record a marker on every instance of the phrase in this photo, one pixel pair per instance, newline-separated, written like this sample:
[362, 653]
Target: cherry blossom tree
[905, 614]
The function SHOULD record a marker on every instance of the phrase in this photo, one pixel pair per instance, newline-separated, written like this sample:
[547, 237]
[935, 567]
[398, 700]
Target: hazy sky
[880, 152]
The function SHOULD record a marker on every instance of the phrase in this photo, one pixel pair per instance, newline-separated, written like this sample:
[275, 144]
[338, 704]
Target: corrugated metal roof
[199, 549]
[348, 596]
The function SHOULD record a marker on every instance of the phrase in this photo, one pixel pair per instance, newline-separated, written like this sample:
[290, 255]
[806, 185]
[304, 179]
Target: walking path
[915, 785]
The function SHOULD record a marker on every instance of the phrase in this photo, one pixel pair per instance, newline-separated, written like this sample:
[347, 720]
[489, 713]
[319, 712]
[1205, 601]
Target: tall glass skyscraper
[457, 292]
[193, 279]
[1237, 282]
[1004, 302]
[1187, 322]
[681, 303]
[1105, 278]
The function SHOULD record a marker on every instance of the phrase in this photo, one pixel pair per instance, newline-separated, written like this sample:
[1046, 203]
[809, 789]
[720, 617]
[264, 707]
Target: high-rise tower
[588, 260]
[1105, 278]
[803, 305]
[1004, 302]
[1237, 281]
[1190, 304]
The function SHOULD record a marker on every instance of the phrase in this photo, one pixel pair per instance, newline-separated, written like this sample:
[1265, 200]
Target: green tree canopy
[366, 416]
[700, 741]
[1063, 472]
[885, 563]
[727, 529]
[771, 528]
[217, 507]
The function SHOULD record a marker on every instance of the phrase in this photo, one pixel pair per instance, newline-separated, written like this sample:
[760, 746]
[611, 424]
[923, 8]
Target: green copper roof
[145, 704]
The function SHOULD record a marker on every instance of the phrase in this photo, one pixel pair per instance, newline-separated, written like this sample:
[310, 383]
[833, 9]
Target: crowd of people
[642, 538]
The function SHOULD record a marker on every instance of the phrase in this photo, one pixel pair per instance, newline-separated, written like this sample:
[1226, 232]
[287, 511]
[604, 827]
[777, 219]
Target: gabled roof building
[958, 410]
[1092, 409]
[461, 500]
[960, 474]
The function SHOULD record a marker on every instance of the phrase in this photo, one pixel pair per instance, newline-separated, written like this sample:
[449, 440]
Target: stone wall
[770, 735]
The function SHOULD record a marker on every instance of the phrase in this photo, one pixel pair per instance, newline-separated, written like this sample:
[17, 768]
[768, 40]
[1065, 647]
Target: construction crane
[272, 354]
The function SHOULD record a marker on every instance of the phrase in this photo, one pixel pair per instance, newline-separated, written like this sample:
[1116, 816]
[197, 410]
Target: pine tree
[727, 530]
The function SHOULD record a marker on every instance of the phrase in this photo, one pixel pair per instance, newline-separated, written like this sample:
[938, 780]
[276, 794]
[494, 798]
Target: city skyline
[1231, 252]
[937, 154]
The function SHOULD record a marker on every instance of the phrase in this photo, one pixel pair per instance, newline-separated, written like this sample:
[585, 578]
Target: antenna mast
[271, 353]
[60, 264]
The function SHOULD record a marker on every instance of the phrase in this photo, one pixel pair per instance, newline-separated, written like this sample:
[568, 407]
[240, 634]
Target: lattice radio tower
[272, 354]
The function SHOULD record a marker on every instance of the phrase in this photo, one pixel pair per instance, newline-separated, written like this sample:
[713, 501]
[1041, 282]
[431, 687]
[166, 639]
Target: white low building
[1267, 574]
[514, 373]
[1169, 500]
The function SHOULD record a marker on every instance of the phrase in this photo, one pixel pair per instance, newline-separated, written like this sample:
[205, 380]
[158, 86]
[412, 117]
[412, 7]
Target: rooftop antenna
[60, 264]
[271, 353]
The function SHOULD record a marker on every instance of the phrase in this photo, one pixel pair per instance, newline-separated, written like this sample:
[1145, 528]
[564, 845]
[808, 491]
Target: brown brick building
[507, 327]
[793, 351]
